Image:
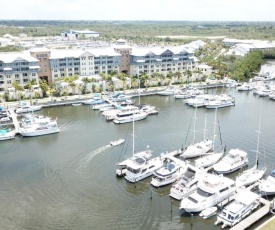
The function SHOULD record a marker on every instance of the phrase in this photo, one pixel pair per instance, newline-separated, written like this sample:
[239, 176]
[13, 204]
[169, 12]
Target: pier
[14, 120]
[254, 217]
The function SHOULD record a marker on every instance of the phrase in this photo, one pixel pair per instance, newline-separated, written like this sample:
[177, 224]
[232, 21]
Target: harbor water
[67, 180]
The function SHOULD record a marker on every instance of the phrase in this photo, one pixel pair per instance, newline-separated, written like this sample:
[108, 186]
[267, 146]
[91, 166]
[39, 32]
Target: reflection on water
[68, 181]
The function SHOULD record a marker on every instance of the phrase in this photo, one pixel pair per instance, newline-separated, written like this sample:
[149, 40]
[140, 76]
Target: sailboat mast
[258, 141]
[214, 136]
[204, 131]
[139, 91]
[195, 117]
[133, 136]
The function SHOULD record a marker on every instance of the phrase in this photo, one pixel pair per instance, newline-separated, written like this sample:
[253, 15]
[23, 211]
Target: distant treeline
[143, 29]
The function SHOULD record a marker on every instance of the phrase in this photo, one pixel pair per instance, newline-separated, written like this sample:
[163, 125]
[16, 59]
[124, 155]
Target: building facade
[77, 34]
[161, 60]
[20, 67]
[83, 62]
[43, 54]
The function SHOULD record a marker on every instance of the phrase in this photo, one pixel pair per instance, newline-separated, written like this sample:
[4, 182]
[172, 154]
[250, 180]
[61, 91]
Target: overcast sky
[191, 10]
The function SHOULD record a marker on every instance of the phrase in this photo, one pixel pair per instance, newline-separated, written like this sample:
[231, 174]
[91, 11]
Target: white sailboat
[200, 148]
[143, 157]
[214, 156]
[254, 174]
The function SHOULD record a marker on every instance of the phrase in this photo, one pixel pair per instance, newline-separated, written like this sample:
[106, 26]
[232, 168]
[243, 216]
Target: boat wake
[84, 162]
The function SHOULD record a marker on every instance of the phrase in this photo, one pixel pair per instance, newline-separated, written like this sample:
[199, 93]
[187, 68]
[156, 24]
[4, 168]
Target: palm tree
[72, 85]
[85, 81]
[188, 73]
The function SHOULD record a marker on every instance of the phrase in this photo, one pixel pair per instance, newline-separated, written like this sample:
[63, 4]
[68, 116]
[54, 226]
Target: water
[67, 180]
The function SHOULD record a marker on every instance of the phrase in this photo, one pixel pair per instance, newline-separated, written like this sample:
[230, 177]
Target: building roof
[39, 49]
[12, 56]
[76, 53]
[157, 50]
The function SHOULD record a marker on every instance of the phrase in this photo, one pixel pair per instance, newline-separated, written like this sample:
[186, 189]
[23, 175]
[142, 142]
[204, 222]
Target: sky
[155, 10]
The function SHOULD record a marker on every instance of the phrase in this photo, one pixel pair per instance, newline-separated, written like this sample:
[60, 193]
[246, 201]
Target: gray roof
[11, 57]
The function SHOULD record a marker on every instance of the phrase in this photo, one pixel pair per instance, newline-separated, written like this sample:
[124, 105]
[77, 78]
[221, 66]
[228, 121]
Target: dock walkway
[14, 120]
[254, 217]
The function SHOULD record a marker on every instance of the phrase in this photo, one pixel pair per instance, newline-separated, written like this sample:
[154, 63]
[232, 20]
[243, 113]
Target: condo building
[51, 64]
[20, 67]
[85, 62]
[161, 60]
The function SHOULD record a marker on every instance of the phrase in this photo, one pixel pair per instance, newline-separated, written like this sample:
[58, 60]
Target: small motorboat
[206, 213]
[118, 142]
[76, 104]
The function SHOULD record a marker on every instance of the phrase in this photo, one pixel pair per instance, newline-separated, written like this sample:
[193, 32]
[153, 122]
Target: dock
[14, 120]
[254, 217]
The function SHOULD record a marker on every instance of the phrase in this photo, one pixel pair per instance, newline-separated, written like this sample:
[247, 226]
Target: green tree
[44, 87]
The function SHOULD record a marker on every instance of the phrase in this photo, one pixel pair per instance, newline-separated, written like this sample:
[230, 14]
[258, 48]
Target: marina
[72, 168]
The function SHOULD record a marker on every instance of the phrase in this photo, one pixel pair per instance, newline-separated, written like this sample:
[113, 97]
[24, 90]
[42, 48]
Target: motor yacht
[42, 126]
[234, 160]
[244, 87]
[169, 173]
[212, 189]
[168, 92]
[187, 182]
[244, 203]
[129, 116]
[220, 103]
[121, 166]
[267, 186]
[28, 108]
[139, 169]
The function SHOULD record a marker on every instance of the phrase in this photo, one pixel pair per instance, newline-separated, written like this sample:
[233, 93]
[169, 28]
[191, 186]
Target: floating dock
[14, 120]
[254, 217]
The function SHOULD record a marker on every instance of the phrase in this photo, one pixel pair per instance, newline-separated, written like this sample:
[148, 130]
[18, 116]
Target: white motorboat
[167, 92]
[220, 103]
[93, 101]
[244, 203]
[119, 97]
[199, 100]
[206, 213]
[26, 108]
[267, 186]
[254, 174]
[187, 182]
[125, 117]
[42, 126]
[234, 160]
[169, 173]
[244, 87]
[102, 106]
[6, 134]
[121, 166]
[200, 148]
[122, 110]
[30, 119]
[149, 109]
[212, 189]
[139, 169]
[118, 142]
[76, 104]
